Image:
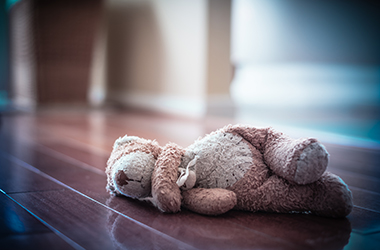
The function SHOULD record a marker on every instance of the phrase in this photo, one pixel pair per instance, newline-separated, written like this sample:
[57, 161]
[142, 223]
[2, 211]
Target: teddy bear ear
[124, 140]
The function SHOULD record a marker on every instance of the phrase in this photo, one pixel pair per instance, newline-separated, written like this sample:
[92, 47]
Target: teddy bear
[236, 167]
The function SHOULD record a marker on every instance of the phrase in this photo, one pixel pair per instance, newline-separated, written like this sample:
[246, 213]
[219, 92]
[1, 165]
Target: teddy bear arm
[302, 161]
[165, 191]
[213, 201]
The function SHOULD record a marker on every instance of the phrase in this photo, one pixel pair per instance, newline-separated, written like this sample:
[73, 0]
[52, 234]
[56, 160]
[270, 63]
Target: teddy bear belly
[223, 159]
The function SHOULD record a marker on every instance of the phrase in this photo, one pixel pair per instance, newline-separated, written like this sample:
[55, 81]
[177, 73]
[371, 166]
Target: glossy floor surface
[53, 193]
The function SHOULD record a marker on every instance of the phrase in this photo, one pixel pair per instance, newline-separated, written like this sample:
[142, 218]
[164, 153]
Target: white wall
[299, 55]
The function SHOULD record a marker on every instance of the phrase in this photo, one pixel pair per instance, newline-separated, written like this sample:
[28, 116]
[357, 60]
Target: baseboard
[177, 105]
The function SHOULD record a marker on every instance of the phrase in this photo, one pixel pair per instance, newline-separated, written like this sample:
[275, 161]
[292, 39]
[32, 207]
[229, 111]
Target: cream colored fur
[223, 159]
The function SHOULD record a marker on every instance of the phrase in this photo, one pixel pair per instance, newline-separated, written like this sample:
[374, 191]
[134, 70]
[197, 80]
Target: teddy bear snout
[121, 178]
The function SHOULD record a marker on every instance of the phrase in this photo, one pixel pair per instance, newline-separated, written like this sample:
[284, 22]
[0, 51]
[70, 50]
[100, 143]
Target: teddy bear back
[222, 159]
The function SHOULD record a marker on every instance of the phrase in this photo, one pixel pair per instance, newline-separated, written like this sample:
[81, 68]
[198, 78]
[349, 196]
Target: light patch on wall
[261, 17]
[306, 85]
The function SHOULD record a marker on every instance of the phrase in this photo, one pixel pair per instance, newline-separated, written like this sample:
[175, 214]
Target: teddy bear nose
[121, 178]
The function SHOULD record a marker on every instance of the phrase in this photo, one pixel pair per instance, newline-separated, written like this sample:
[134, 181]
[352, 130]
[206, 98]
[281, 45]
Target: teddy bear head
[133, 163]
[129, 170]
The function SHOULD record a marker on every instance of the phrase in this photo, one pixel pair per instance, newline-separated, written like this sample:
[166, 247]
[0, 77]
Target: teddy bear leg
[329, 196]
[212, 201]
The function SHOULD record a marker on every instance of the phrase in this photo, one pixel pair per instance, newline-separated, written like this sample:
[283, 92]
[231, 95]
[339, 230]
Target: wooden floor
[53, 193]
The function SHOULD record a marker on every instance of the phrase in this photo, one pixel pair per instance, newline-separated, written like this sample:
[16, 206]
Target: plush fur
[236, 167]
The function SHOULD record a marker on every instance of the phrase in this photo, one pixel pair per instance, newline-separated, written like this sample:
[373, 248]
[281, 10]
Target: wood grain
[20, 230]
[88, 222]
[53, 163]
[15, 178]
[34, 241]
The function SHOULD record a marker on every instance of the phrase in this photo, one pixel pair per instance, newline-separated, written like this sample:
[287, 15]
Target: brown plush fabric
[253, 179]
[282, 153]
[165, 191]
[256, 136]
[327, 197]
[142, 145]
[212, 201]
[331, 196]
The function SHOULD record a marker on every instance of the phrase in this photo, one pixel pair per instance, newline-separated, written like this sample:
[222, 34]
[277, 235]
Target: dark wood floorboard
[16, 220]
[15, 178]
[34, 241]
[20, 230]
[359, 241]
[53, 164]
[364, 221]
[74, 176]
[94, 160]
[355, 167]
[90, 224]
[358, 180]
[367, 199]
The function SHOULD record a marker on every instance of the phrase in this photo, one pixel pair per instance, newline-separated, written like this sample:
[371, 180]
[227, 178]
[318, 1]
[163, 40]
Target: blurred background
[293, 64]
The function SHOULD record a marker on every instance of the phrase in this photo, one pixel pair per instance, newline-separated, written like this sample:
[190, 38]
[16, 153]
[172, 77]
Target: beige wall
[219, 68]
[168, 55]
[22, 59]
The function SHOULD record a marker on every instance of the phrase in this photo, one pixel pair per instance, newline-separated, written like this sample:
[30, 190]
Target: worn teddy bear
[236, 167]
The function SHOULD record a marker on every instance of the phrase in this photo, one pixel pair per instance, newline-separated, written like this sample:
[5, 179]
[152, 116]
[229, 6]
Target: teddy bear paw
[312, 163]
